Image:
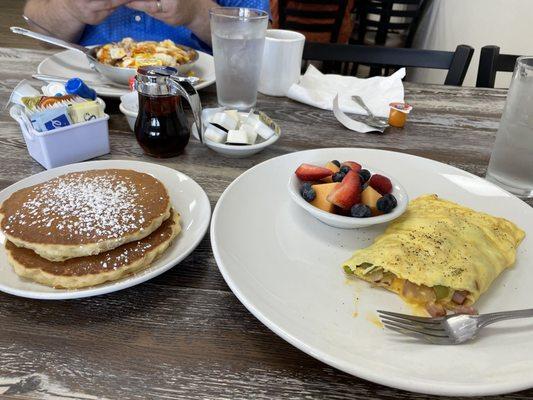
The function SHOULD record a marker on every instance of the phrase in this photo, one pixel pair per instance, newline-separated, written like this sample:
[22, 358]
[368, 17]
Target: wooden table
[184, 335]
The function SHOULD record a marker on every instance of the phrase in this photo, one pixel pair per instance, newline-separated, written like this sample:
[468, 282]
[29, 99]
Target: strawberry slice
[348, 192]
[355, 167]
[308, 172]
[381, 184]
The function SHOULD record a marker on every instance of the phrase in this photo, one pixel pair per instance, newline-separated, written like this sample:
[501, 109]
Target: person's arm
[67, 18]
[193, 14]
[199, 25]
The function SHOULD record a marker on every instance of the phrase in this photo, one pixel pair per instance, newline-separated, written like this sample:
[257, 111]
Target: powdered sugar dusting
[90, 206]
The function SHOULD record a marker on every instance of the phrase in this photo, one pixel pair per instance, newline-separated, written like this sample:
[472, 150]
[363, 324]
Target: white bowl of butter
[235, 134]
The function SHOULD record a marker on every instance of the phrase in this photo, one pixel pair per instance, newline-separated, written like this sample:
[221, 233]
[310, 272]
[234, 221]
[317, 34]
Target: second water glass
[238, 36]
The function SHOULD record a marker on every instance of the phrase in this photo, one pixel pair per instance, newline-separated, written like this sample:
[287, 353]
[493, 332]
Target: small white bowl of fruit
[347, 195]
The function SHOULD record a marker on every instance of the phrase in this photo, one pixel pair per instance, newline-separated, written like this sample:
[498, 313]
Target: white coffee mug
[282, 61]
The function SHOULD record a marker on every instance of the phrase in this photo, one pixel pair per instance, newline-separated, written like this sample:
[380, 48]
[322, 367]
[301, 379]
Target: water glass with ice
[511, 161]
[238, 36]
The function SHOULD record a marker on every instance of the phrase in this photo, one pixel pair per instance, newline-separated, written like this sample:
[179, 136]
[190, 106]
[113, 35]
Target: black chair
[456, 62]
[292, 15]
[490, 62]
[378, 21]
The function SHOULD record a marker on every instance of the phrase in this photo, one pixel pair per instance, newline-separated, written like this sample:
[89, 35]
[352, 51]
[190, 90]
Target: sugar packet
[41, 103]
[50, 119]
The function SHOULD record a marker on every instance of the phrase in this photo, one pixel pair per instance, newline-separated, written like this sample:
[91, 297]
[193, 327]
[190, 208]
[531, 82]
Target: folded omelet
[439, 255]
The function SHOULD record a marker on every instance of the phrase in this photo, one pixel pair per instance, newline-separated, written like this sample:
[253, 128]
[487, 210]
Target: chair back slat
[394, 13]
[506, 62]
[382, 18]
[388, 26]
[490, 62]
[300, 27]
[293, 16]
[455, 62]
[312, 14]
[457, 71]
[402, 2]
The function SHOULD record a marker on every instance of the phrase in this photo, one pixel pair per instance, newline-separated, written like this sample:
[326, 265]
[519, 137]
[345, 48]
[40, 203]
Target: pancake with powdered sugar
[85, 213]
[93, 270]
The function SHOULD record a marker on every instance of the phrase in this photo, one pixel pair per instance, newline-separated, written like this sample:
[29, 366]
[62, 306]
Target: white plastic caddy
[67, 145]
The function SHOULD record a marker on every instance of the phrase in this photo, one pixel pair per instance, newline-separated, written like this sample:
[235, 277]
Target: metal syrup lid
[154, 80]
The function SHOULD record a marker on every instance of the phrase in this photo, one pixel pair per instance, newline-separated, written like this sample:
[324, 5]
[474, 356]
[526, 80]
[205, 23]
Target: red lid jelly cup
[402, 107]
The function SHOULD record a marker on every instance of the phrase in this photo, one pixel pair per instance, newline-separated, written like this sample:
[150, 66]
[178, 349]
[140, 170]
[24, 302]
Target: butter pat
[250, 132]
[215, 135]
[86, 111]
[238, 137]
[234, 114]
[224, 120]
[264, 131]
[252, 120]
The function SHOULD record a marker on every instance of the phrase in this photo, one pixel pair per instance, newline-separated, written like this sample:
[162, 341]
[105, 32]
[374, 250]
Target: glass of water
[511, 162]
[238, 36]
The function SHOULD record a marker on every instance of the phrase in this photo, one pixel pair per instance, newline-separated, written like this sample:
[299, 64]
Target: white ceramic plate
[186, 196]
[71, 63]
[284, 266]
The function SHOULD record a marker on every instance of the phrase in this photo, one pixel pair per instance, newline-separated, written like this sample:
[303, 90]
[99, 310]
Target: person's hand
[92, 12]
[173, 12]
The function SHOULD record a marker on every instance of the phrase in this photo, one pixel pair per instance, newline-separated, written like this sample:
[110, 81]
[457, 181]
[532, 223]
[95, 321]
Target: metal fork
[451, 329]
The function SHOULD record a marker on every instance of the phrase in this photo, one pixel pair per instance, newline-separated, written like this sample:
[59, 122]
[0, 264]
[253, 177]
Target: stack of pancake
[85, 228]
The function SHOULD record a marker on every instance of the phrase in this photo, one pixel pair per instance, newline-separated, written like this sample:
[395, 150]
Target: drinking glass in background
[238, 36]
[511, 161]
[282, 61]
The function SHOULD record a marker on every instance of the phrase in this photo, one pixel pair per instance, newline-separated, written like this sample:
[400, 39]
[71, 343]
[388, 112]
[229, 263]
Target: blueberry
[306, 186]
[365, 175]
[309, 194]
[344, 169]
[360, 211]
[338, 177]
[336, 162]
[393, 199]
[386, 203]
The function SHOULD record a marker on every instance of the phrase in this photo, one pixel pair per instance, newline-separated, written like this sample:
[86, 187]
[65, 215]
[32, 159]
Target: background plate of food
[125, 56]
[33, 267]
[294, 273]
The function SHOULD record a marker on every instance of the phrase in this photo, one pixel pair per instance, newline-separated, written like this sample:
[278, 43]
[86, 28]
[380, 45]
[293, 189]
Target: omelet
[439, 255]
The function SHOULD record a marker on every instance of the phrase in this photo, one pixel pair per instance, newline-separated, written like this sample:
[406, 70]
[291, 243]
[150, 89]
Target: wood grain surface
[184, 335]
[11, 15]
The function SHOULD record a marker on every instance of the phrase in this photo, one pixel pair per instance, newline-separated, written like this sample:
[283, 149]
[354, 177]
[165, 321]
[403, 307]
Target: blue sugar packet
[50, 119]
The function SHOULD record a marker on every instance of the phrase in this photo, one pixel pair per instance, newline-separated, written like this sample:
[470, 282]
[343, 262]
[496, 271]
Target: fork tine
[419, 336]
[411, 328]
[431, 327]
[411, 317]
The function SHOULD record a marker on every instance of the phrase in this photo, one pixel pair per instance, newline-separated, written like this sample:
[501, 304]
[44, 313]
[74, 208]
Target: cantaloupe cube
[333, 168]
[370, 197]
[322, 191]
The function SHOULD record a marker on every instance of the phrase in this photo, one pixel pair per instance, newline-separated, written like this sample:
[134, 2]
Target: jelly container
[398, 114]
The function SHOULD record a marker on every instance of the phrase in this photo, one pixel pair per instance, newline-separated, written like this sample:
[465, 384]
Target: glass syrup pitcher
[161, 128]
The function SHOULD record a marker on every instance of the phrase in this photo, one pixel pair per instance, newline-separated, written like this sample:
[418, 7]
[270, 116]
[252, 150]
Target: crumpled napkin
[319, 90]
